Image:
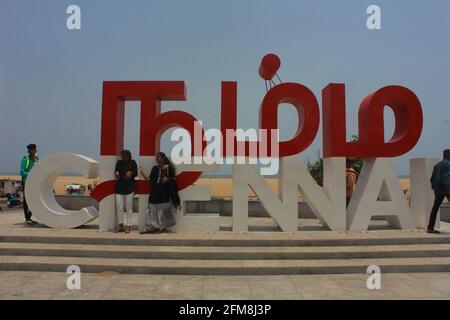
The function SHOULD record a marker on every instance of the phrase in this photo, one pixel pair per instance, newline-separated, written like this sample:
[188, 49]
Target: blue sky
[51, 77]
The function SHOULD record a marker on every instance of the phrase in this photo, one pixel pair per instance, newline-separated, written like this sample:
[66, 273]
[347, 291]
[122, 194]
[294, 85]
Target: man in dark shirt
[440, 182]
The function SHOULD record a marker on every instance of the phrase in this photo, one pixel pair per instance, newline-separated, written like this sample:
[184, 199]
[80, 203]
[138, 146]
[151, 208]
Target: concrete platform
[224, 253]
[39, 248]
[223, 267]
[311, 264]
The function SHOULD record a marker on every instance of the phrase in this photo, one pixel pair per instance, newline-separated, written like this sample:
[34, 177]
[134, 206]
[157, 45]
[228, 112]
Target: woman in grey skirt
[164, 199]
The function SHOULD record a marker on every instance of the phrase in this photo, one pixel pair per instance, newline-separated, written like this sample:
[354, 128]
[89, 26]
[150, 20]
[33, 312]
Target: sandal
[120, 228]
[433, 231]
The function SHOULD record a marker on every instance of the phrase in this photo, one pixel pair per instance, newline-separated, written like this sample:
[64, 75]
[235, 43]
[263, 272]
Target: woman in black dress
[163, 198]
[125, 172]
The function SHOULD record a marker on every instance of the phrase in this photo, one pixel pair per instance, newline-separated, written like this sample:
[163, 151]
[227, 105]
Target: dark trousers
[26, 211]
[438, 199]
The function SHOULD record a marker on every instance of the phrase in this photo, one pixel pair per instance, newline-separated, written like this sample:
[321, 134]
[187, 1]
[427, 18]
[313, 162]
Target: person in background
[163, 199]
[26, 165]
[350, 176]
[440, 183]
[125, 172]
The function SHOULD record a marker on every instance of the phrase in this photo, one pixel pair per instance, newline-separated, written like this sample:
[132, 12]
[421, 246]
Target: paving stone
[109, 284]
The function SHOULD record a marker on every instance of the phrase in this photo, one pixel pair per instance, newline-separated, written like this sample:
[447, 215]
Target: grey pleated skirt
[159, 216]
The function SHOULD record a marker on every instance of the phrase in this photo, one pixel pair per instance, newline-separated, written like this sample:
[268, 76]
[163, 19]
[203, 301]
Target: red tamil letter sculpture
[408, 123]
[152, 124]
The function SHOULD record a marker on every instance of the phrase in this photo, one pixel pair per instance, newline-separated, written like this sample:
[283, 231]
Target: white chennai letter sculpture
[39, 190]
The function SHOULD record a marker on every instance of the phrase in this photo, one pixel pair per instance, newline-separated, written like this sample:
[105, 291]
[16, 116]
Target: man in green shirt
[26, 165]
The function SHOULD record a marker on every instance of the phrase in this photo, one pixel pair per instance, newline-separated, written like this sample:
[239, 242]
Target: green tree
[315, 167]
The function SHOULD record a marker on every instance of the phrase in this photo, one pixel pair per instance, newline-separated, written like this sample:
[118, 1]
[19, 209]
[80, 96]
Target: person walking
[125, 172]
[164, 198]
[440, 183]
[350, 176]
[26, 165]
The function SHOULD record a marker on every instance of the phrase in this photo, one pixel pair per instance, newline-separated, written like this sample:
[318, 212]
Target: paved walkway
[49, 285]
[107, 285]
[11, 223]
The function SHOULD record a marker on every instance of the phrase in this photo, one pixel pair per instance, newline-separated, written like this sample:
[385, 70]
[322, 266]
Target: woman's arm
[116, 170]
[141, 171]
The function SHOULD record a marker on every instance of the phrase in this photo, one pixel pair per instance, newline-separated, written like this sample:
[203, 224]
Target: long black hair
[167, 161]
[126, 155]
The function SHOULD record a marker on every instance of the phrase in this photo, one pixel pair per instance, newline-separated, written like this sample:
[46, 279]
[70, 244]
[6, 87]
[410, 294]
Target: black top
[125, 185]
[160, 191]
